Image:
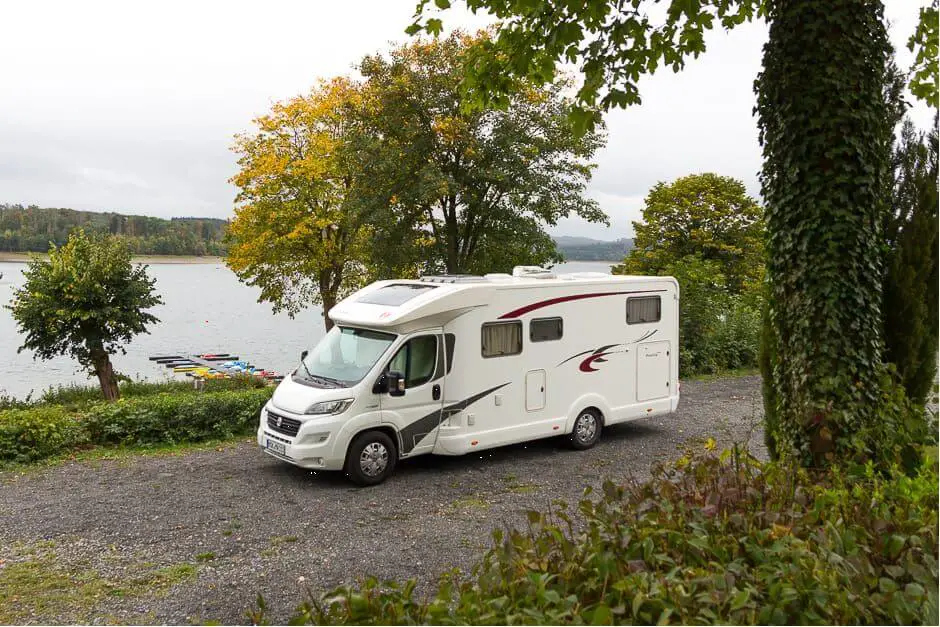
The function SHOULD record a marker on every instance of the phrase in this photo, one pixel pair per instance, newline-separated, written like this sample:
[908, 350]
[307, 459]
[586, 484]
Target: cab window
[416, 360]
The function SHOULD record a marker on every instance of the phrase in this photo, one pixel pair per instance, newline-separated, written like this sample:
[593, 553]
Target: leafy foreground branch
[713, 539]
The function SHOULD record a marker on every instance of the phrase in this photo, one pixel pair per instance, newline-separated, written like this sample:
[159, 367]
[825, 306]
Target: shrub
[713, 540]
[172, 418]
[718, 330]
[34, 433]
[75, 395]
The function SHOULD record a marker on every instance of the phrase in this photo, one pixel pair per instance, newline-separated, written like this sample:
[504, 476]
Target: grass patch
[470, 502]
[723, 374]
[37, 585]
[208, 556]
[127, 452]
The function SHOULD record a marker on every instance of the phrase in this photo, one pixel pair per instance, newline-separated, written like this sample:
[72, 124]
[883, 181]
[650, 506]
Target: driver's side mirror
[395, 383]
[303, 354]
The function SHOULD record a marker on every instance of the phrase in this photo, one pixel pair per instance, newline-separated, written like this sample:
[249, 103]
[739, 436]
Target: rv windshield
[343, 357]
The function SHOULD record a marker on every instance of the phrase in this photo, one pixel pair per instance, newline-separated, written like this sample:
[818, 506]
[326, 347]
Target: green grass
[75, 396]
[35, 585]
[723, 374]
[470, 502]
[208, 556]
[93, 455]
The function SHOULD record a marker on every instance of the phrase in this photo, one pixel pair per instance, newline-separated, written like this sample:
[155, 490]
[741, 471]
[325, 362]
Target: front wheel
[586, 431]
[371, 458]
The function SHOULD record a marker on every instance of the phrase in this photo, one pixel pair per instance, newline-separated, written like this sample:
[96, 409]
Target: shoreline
[7, 257]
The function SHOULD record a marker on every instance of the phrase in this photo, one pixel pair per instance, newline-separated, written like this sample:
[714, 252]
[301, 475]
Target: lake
[206, 309]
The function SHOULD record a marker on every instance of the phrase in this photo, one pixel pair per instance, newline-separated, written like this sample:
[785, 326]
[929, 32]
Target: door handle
[436, 392]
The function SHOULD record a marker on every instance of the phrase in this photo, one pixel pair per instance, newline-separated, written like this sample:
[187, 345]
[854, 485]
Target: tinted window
[450, 340]
[395, 294]
[500, 339]
[643, 309]
[546, 329]
[416, 360]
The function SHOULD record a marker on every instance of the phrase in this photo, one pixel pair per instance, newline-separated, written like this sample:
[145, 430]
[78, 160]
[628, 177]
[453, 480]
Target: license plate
[274, 446]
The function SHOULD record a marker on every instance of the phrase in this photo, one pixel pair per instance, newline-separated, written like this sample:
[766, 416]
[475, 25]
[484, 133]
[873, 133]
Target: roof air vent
[533, 272]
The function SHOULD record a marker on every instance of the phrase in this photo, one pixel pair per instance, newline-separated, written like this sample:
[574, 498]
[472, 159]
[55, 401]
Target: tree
[301, 227]
[911, 279]
[925, 43]
[825, 131]
[706, 216]
[484, 181]
[87, 301]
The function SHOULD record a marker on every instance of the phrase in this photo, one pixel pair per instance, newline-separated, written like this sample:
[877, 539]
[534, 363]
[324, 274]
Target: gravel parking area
[196, 537]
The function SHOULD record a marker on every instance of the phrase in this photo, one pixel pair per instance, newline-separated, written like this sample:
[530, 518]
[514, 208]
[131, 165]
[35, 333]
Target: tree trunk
[327, 296]
[824, 125]
[453, 238]
[105, 373]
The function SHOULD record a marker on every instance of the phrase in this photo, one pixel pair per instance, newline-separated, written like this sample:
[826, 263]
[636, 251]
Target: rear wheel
[371, 458]
[587, 430]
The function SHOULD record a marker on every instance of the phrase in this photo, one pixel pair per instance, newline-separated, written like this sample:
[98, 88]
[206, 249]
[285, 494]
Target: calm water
[205, 309]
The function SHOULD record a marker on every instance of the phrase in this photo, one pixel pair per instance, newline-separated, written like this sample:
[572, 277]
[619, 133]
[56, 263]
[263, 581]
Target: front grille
[283, 424]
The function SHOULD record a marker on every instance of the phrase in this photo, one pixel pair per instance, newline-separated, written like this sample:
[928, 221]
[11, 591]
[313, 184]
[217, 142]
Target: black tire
[365, 457]
[586, 430]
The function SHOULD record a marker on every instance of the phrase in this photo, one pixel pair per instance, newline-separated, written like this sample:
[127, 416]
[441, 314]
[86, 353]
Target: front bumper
[316, 444]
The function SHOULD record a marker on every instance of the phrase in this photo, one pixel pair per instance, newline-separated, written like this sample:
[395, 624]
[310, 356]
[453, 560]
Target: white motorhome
[457, 364]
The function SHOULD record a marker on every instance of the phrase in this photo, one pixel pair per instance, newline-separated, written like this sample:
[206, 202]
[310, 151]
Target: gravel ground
[250, 524]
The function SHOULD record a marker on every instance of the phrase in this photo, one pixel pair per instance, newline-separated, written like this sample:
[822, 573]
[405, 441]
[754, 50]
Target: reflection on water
[205, 309]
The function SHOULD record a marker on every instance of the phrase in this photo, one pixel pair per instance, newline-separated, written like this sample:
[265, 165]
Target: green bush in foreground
[712, 540]
[28, 435]
[39, 431]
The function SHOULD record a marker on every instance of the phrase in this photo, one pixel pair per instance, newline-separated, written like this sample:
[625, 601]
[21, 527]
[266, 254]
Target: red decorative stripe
[515, 313]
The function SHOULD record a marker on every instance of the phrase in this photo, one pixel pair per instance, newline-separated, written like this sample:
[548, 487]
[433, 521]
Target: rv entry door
[417, 414]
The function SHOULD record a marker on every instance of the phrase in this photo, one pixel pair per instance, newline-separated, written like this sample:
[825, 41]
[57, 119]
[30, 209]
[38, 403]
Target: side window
[644, 309]
[450, 340]
[546, 329]
[416, 360]
[500, 339]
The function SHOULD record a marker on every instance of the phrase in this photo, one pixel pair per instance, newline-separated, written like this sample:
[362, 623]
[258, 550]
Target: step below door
[535, 390]
[652, 370]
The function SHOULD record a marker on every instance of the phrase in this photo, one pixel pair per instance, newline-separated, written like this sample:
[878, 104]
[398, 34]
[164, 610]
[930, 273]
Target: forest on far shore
[32, 229]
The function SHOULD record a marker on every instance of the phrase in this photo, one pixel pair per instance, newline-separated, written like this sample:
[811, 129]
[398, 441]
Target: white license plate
[276, 447]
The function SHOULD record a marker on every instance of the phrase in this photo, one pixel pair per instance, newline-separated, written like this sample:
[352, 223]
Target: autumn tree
[484, 182]
[825, 130]
[706, 216]
[87, 301]
[301, 228]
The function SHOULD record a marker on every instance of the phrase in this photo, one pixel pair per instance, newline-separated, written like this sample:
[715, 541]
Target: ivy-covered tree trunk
[826, 143]
[101, 362]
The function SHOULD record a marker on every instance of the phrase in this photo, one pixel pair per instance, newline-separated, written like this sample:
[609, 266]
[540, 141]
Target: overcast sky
[131, 106]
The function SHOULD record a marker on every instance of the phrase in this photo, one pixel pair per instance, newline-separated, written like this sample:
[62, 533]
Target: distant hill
[32, 228]
[587, 249]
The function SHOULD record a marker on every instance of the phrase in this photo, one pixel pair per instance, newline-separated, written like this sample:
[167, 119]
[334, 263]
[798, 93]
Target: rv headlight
[329, 407]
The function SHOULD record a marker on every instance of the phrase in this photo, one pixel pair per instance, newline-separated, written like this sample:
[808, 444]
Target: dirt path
[197, 537]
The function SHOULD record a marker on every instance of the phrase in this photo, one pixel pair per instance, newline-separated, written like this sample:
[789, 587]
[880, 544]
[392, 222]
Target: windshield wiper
[303, 357]
[330, 380]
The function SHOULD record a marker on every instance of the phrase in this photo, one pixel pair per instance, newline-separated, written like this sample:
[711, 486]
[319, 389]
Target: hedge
[716, 539]
[174, 418]
[40, 431]
[31, 434]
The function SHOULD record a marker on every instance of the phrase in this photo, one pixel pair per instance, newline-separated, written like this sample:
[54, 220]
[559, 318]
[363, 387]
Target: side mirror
[395, 382]
[303, 354]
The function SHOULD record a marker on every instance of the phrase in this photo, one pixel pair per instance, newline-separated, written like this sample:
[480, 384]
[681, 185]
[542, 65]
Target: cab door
[417, 414]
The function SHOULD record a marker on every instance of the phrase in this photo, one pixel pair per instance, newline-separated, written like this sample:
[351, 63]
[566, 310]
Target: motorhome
[458, 364]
